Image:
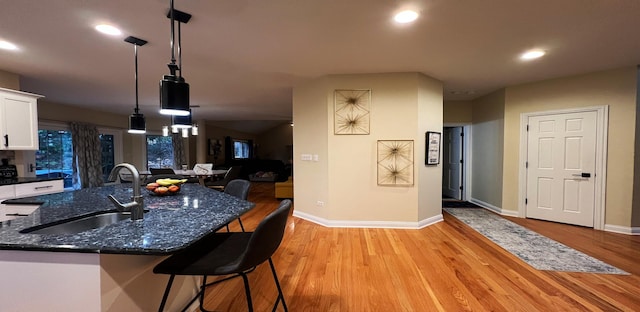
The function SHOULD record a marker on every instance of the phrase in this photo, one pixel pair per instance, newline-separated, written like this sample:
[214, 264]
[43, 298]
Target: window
[108, 155]
[159, 151]
[241, 149]
[55, 156]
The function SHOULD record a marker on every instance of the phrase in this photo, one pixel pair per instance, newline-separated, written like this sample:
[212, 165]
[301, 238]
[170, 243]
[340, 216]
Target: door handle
[582, 175]
[6, 140]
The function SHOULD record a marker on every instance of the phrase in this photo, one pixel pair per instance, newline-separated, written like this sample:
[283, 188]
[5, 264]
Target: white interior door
[561, 168]
[452, 165]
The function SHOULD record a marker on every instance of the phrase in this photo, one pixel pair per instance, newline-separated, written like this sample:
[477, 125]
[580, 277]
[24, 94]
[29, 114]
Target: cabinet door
[19, 118]
[39, 188]
[10, 212]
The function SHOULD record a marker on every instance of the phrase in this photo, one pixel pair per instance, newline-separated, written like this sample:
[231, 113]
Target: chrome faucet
[136, 206]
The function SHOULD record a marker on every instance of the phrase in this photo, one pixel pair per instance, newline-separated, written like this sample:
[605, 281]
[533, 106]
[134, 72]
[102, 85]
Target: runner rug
[538, 251]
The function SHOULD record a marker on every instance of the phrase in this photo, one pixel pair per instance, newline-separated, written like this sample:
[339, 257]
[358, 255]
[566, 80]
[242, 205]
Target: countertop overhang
[171, 223]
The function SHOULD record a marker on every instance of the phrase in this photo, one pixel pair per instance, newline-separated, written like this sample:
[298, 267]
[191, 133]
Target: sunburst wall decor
[351, 115]
[395, 162]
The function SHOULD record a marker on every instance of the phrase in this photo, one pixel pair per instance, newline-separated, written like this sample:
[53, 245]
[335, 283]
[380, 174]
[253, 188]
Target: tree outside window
[159, 151]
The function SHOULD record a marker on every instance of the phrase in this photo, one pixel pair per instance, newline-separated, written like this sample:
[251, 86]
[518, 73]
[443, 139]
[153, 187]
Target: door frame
[600, 175]
[466, 157]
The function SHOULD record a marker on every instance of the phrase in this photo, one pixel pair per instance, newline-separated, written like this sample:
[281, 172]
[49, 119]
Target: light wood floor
[443, 267]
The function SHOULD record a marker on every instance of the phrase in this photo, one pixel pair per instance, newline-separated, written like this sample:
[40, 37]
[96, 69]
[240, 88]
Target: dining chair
[155, 171]
[232, 174]
[240, 189]
[233, 253]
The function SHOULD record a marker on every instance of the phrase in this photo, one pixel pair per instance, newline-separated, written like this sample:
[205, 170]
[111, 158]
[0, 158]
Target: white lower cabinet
[9, 212]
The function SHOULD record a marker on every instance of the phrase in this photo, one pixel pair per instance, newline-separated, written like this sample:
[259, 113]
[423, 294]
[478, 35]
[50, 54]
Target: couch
[261, 169]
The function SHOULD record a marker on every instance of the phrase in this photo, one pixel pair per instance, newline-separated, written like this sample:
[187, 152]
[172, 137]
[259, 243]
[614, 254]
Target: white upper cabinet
[18, 120]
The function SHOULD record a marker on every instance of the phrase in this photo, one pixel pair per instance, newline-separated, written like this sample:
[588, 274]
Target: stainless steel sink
[79, 224]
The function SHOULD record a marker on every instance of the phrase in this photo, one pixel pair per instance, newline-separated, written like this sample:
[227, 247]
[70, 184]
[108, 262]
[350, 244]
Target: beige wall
[9, 80]
[276, 143]
[457, 112]
[310, 132]
[430, 117]
[635, 213]
[487, 146]
[616, 88]
[403, 107]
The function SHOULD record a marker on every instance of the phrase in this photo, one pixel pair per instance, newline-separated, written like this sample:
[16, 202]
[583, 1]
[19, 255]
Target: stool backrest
[238, 188]
[267, 237]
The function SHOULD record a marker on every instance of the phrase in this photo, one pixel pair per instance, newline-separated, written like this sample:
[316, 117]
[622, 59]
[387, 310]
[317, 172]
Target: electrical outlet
[320, 203]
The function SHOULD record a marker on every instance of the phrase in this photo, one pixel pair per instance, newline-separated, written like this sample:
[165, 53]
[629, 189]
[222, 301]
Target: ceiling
[242, 58]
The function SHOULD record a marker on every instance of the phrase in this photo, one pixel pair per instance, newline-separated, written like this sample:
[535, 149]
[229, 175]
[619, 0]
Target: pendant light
[137, 123]
[174, 91]
[181, 122]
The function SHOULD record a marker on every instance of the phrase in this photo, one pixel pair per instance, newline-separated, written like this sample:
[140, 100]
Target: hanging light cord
[135, 52]
[172, 66]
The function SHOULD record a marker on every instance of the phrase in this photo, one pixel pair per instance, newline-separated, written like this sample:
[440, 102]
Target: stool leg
[247, 291]
[241, 226]
[166, 293]
[280, 294]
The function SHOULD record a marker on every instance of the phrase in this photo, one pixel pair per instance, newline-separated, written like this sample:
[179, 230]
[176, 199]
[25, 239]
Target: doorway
[564, 155]
[453, 154]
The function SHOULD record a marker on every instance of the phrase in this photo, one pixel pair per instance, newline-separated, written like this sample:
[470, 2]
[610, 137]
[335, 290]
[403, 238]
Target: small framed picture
[432, 153]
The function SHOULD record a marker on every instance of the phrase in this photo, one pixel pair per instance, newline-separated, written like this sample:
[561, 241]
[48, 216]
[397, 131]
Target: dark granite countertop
[5, 181]
[171, 223]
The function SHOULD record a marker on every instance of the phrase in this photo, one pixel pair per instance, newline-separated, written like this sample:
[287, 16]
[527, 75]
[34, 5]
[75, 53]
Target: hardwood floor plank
[443, 267]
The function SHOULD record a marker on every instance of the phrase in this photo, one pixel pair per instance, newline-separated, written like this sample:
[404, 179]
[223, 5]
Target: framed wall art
[395, 162]
[432, 152]
[351, 111]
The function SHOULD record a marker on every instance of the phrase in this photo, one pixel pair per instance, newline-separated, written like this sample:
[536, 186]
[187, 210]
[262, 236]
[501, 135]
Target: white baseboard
[622, 229]
[368, 224]
[500, 211]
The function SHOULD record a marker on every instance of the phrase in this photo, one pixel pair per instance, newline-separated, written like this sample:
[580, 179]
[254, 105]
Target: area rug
[538, 251]
[458, 204]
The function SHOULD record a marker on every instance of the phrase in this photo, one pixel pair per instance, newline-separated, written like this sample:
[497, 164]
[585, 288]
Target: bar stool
[231, 253]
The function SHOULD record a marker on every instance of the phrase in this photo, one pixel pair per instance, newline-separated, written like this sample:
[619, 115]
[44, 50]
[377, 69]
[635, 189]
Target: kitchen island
[107, 268]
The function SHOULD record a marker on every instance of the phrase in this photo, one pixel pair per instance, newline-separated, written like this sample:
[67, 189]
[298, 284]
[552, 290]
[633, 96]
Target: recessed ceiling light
[6, 45]
[407, 16]
[532, 54]
[108, 29]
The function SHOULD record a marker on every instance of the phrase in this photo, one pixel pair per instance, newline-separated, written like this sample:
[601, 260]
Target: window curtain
[179, 156]
[87, 155]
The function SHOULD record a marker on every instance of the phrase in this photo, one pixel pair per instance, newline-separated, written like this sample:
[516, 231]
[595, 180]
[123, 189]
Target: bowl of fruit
[163, 187]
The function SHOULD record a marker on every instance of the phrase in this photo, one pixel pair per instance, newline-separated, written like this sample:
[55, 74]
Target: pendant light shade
[174, 96]
[181, 122]
[174, 91]
[137, 123]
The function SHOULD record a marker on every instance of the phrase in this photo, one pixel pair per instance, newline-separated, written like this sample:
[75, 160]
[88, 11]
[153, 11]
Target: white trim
[493, 208]
[622, 229]
[600, 175]
[369, 224]
[466, 183]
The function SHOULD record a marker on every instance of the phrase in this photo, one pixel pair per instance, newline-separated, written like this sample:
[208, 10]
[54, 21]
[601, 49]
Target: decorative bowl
[165, 187]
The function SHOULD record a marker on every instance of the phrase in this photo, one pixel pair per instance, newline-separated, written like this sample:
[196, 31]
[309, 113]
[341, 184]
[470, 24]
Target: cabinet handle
[6, 140]
[16, 215]
[37, 188]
